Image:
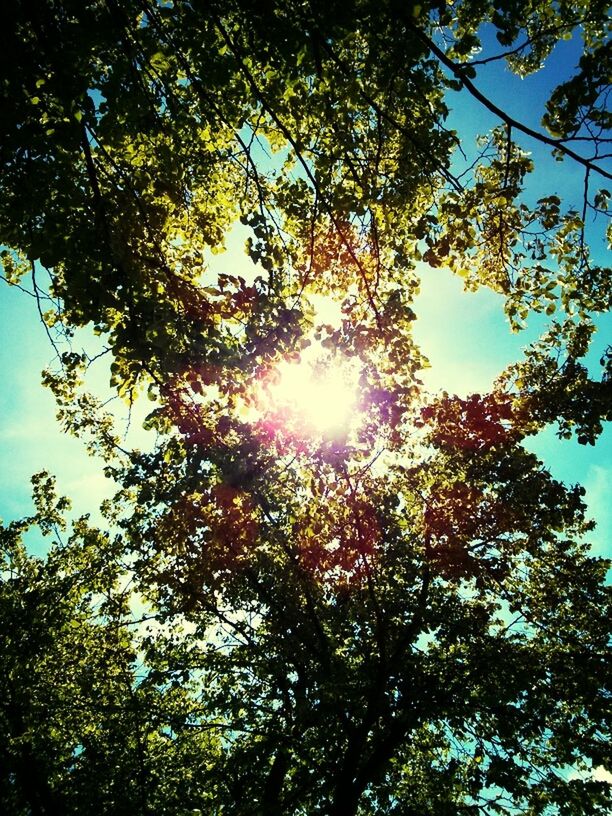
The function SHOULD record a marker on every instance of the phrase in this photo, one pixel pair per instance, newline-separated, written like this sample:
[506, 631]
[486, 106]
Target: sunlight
[321, 398]
[313, 396]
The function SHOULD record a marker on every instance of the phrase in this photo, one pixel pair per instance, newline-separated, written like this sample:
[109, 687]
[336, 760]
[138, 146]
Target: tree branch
[459, 72]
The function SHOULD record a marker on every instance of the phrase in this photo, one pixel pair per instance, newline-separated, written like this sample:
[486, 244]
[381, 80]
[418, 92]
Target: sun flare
[321, 399]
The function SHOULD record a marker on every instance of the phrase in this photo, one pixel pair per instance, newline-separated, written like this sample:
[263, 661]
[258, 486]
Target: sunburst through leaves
[312, 397]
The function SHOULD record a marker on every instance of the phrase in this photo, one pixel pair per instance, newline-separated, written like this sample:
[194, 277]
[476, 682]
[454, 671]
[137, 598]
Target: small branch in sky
[508, 154]
[459, 72]
[38, 296]
[538, 36]
[23, 289]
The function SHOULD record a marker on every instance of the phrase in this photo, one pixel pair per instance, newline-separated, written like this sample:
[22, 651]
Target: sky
[464, 334]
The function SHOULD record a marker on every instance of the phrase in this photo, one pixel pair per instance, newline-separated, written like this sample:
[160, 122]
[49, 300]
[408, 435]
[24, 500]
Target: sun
[318, 398]
[315, 395]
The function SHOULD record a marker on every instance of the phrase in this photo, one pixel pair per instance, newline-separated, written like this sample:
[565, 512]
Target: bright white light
[322, 399]
[315, 396]
[600, 774]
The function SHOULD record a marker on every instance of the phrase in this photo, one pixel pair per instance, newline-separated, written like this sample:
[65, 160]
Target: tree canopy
[397, 613]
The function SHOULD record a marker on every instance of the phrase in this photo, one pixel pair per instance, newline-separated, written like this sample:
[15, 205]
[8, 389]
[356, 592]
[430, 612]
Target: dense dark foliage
[402, 618]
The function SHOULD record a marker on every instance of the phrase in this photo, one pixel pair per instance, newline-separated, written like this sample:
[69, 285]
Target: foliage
[85, 726]
[401, 619]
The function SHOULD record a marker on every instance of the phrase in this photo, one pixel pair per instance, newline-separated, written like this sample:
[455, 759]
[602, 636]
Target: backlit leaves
[400, 618]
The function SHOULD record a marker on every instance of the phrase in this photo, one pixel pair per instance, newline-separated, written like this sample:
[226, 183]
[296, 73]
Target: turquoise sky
[465, 336]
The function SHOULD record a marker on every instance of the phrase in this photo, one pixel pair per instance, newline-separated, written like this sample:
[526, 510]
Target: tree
[403, 618]
[85, 727]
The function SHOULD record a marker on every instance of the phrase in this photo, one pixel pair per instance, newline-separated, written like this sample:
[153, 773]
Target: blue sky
[30, 438]
[464, 335]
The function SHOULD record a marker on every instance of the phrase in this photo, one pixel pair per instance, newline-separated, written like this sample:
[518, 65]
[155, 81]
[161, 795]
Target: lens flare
[322, 399]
